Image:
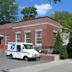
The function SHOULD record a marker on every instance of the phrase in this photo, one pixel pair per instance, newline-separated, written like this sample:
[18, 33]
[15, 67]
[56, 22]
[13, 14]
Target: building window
[18, 37]
[38, 37]
[54, 36]
[0, 41]
[7, 39]
[27, 37]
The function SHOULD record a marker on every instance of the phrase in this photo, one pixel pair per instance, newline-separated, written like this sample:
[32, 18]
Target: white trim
[6, 40]
[54, 25]
[36, 37]
[38, 30]
[28, 31]
[18, 32]
[45, 23]
[16, 35]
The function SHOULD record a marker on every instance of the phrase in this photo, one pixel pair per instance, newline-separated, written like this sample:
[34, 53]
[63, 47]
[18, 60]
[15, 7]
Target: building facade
[40, 31]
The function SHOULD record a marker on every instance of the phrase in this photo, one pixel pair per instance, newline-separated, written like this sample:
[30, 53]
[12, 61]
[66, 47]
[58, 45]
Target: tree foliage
[59, 48]
[65, 19]
[8, 11]
[29, 13]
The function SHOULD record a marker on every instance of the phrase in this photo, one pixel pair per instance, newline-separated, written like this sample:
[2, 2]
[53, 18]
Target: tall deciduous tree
[65, 19]
[8, 11]
[29, 13]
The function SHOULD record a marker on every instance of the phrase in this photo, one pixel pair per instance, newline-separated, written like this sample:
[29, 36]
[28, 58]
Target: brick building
[40, 31]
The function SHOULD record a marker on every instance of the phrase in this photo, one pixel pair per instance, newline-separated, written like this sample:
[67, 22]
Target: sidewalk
[39, 67]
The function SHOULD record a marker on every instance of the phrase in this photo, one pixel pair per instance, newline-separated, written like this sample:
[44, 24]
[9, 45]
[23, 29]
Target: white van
[22, 50]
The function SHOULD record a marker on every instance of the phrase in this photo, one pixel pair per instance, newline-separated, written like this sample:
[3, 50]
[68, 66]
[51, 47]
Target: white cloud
[43, 9]
[21, 7]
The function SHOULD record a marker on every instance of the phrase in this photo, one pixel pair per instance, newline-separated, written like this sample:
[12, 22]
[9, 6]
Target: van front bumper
[37, 58]
[34, 56]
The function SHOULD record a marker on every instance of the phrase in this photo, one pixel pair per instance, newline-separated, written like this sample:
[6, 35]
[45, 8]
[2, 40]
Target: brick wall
[47, 30]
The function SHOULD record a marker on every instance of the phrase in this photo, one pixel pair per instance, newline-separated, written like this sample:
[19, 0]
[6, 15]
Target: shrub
[63, 52]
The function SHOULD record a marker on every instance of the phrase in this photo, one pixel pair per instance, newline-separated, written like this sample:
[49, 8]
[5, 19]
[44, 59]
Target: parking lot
[7, 64]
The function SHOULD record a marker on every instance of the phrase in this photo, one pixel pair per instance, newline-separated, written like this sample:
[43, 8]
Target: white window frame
[37, 44]
[54, 35]
[16, 35]
[6, 39]
[25, 34]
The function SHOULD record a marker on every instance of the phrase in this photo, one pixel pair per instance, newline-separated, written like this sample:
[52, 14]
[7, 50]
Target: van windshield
[27, 46]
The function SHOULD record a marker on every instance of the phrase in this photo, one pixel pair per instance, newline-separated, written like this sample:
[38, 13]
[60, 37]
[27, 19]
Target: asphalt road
[14, 65]
[65, 67]
[58, 66]
[7, 64]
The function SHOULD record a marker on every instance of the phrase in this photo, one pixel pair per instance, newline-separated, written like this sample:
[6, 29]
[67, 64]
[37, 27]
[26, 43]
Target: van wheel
[26, 58]
[10, 56]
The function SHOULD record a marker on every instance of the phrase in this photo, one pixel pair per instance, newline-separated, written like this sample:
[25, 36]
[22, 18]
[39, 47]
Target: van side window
[18, 48]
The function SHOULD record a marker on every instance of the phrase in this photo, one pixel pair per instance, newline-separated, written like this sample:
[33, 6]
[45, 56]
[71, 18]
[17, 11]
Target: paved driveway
[6, 63]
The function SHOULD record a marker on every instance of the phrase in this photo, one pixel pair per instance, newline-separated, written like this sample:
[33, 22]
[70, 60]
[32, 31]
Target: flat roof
[29, 22]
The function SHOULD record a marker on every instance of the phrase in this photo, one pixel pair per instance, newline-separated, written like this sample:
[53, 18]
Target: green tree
[65, 19]
[8, 11]
[59, 48]
[58, 43]
[29, 13]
